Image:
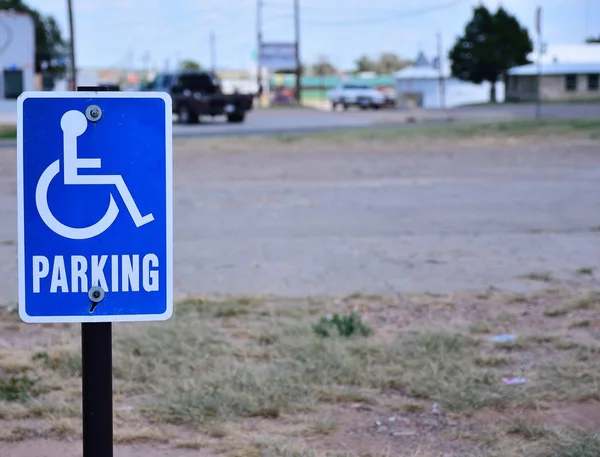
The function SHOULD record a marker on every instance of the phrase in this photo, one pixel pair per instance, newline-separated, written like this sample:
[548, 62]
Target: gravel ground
[266, 217]
[310, 219]
[303, 218]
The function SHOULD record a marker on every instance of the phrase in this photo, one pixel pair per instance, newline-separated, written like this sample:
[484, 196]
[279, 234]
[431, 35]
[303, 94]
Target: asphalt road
[300, 120]
[270, 121]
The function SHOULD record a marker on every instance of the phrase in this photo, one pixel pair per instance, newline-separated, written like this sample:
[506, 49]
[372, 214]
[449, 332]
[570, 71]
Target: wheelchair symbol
[73, 125]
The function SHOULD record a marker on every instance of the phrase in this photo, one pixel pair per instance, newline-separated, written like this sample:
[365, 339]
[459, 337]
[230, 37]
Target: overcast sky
[132, 32]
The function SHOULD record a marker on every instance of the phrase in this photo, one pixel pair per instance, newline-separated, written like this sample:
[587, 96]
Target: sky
[158, 33]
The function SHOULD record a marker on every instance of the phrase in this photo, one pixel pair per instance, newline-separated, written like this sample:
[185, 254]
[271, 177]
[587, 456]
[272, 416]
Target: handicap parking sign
[94, 178]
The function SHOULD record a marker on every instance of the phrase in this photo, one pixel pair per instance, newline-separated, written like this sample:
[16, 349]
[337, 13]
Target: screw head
[96, 294]
[93, 113]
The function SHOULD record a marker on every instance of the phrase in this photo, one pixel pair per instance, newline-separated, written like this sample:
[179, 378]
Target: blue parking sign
[94, 178]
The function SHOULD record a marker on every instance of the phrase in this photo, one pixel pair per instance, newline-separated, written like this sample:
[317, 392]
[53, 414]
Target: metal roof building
[569, 53]
[558, 68]
[560, 81]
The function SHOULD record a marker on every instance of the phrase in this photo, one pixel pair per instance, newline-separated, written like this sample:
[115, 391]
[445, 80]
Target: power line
[387, 17]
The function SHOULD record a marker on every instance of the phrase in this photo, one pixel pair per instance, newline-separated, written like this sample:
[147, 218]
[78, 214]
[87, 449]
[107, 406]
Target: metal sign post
[84, 256]
[97, 395]
[96, 372]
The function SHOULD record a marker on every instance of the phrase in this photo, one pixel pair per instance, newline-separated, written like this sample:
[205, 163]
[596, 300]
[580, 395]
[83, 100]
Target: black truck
[199, 93]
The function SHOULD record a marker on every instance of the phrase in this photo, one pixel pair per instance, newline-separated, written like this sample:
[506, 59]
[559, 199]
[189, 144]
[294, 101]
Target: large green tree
[593, 39]
[492, 43]
[50, 47]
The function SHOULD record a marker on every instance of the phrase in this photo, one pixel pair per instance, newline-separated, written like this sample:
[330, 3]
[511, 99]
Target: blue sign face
[95, 206]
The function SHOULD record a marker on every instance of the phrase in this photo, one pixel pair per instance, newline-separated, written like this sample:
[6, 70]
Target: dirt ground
[438, 245]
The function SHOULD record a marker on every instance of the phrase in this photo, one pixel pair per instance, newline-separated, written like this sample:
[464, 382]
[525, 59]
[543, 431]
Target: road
[299, 120]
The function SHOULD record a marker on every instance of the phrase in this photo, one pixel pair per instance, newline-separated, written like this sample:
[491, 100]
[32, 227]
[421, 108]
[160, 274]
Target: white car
[363, 96]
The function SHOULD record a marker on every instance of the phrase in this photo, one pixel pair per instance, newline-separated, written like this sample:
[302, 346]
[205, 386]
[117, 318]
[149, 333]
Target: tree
[390, 63]
[364, 63]
[593, 39]
[50, 47]
[491, 44]
[386, 64]
[188, 64]
[324, 67]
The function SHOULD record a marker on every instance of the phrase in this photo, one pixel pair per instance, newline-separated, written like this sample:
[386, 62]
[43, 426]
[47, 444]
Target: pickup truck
[363, 96]
[197, 93]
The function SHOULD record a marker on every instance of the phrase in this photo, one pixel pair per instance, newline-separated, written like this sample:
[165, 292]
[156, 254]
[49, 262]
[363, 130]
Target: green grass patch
[579, 127]
[537, 276]
[8, 133]
[346, 326]
[16, 388]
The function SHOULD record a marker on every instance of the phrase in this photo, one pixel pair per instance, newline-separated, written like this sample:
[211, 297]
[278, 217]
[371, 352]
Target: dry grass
[589, 129]
[235, 370]
[538, 276]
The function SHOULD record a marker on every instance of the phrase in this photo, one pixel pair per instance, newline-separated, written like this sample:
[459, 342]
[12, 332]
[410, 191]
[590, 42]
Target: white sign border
[96, 95]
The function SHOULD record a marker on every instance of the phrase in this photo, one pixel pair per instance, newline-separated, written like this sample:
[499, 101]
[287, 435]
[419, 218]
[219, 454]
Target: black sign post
[96, 374]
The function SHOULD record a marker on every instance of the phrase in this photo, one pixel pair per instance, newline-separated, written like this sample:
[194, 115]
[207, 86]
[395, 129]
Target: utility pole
[72, 45]
[441, 72]
[297, 49]
[259, 5]
[146, 66]
[538, 26]
[213, 52]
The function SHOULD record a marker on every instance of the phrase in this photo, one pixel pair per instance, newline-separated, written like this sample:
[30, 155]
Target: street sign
[94, 184]
[278, 56]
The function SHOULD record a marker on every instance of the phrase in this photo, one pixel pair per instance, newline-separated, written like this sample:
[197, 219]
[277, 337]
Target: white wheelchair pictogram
[74, 124]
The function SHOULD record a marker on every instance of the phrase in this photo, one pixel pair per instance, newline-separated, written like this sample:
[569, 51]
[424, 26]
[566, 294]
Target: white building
[419, 86]
[17, 54]
[567, 73]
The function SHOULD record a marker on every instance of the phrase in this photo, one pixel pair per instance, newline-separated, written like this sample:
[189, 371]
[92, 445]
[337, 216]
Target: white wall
[244, 86]
[457, 92]
[17, 33]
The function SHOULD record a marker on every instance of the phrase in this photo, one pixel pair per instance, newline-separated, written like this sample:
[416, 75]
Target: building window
[529, 83]
[592, 81]
[571, 83]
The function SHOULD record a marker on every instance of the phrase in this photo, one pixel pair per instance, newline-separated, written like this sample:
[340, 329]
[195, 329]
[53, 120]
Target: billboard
[278, 56]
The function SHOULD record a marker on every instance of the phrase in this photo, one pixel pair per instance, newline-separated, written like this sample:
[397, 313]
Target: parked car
[197, 93]
[361, 95]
